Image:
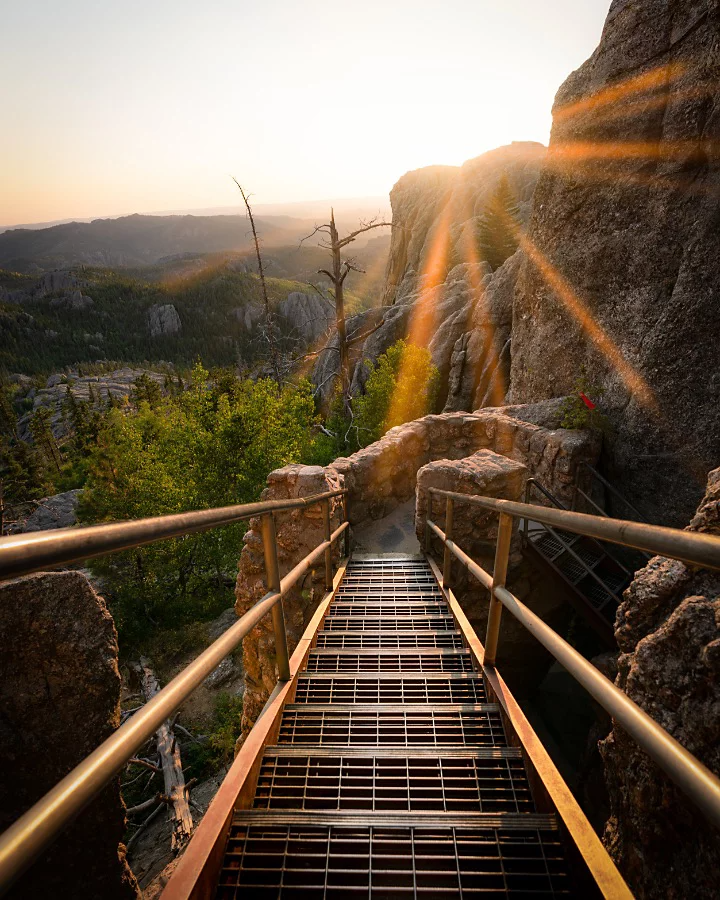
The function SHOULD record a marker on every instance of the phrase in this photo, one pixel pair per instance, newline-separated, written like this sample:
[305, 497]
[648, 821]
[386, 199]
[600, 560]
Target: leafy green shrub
[211, 446]
[402, 387]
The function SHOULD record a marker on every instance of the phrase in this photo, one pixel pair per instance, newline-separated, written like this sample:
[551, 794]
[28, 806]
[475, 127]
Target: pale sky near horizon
[112, 107]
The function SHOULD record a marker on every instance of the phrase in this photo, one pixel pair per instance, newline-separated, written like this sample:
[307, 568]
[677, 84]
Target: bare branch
[322, 229]
[354, 234]
[354, 340]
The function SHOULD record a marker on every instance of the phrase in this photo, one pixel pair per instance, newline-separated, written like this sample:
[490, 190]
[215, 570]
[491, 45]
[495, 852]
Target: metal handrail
[34, 830]
[21, 554]
[688, 773]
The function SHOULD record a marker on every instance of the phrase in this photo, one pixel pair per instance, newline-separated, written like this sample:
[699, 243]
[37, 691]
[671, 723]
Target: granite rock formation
[437, 291]
[118, 385]
[59, 699]
[163, 320]
[437, 210]
[306, 317]
[668, 631]
[621, 274]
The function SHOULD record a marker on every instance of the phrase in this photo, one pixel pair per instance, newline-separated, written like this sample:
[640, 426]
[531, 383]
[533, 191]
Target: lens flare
[634, 382]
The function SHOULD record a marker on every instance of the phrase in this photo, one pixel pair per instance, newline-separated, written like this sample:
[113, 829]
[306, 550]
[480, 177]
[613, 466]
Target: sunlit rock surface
[622, 275]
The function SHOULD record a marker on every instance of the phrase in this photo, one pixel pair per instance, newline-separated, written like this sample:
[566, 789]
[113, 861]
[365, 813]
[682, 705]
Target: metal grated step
[389, 661]
[404, 726]
[335, 861]
[362, 609]
[397, 640]
[390, 622]
[444, 784]
[436, 688]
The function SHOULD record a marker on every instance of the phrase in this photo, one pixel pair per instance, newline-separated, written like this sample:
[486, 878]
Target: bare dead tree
[270, 330]
[340, 269]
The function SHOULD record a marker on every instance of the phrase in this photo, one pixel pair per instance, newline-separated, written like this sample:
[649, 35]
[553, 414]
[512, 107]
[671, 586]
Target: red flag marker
[587, 401]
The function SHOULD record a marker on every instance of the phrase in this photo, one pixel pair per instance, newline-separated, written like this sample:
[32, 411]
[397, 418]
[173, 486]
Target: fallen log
[176, 791]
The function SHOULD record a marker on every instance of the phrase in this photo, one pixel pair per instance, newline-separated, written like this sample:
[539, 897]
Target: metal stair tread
[523, 821]
[372, 750]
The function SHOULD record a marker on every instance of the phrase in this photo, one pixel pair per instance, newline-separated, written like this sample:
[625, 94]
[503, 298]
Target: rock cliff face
[163, 320]
[59, 699]
[437, 210]
[621, 274]
[668, 631]
[437, 291]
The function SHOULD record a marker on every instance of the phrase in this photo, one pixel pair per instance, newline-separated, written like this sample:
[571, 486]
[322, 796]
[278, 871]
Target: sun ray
[562, 289]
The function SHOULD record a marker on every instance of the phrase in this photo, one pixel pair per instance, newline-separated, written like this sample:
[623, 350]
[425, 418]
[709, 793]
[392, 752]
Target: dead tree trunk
[340, 269]
[176, 793]
[270, 326]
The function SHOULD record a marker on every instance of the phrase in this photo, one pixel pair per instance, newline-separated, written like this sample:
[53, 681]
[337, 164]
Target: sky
[123, 106]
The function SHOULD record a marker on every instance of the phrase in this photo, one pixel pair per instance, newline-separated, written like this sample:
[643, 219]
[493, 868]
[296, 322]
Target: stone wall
[668, 631]
[60, 699]
[299, 531]
[384, 475]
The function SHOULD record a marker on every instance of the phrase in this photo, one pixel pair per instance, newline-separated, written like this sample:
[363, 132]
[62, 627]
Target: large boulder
[59, 700]
[668, 632]
[163, 320]
[621, 273]
[58, 511]
[306, 316]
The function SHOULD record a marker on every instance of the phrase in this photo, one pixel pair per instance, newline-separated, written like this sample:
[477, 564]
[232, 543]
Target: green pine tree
[498, 229]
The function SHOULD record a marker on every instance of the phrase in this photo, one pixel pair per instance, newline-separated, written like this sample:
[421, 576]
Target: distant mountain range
[141, 240]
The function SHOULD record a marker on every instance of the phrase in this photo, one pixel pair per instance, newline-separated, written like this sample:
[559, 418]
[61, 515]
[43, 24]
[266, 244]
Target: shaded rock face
[306, 316]
[524, 660]
[326, 372]
[668, 631]
[163, 320]
[58, 511]
[625, 233]
[299, 531]
[117, 384]
[59, 699]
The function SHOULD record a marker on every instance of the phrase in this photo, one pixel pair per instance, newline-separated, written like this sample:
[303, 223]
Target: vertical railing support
[447, 558]
[328, 550]
[346, 535]
[428, 516]
[272, 575]
[502, 555]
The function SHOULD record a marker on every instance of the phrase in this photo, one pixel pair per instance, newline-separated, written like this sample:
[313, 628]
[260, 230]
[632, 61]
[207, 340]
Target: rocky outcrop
[163, 320]
[299, 531]
[58, 511]
[437, 209]
[438, 293]
[59, 699]
[668, 631]
[625, 233]
[306, 317]
[117, 384]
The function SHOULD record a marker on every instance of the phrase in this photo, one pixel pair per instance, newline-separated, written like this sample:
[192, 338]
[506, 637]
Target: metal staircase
[392, 775]
[593, 575]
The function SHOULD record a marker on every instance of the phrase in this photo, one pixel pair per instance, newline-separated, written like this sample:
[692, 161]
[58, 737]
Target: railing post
[502, 554]
[328, 550]
[272, 575]
[346, 536]
[447, 558]
[428, 516]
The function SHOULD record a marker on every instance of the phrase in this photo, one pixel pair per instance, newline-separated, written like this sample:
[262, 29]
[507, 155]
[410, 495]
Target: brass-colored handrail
[34, 830]
[688, 773]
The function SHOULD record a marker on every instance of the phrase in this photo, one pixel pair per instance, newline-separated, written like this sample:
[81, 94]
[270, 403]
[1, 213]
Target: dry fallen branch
[175, 787]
